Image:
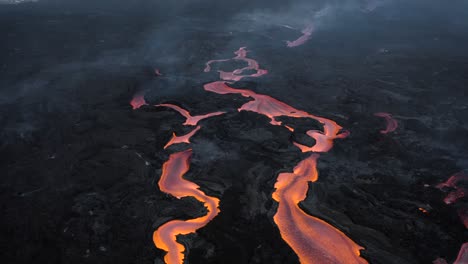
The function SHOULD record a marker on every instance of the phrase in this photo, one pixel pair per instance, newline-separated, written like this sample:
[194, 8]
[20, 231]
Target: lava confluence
[173, 183]
[182, 139]
[392, 124]
[306, 34]
[190, 120]
[138, 100]
[313, 240]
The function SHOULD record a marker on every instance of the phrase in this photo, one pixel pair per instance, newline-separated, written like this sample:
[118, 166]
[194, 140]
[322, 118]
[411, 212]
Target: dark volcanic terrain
[81, 167]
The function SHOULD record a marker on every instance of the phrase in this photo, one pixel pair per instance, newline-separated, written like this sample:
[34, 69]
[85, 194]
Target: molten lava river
[312, 239]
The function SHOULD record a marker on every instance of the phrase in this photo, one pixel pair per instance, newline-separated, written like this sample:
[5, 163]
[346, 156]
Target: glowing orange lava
[392, 124]
[313, 240]
[423, 210]
[181, 139]
[306, 34]
[172, 182]
[272, 108]
[138, 100]
[190, 120]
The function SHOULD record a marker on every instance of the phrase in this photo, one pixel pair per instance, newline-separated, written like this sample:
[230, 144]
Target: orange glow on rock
[172, 182]
[182, 139]
[289, 128]
[392, 124]
[138, 100]
[190, 120]
[423, 210]
[313, 240]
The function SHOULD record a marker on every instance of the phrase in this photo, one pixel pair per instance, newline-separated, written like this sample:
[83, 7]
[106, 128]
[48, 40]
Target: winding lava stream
[312, 239]
[172, 182]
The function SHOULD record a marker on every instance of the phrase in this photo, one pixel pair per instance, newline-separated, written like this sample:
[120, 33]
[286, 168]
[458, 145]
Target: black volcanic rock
[80, 168]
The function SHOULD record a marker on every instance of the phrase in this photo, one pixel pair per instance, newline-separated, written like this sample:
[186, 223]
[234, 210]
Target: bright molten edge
[172, 182]
[313, 240]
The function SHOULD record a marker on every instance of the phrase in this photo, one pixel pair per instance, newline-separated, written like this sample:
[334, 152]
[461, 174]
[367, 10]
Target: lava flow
[138, 100]
[181, 139]
[392, 124]
[313, 240]
[453, 182]
[306, 34]
[190, 120]
[172, 182]
[236, 75]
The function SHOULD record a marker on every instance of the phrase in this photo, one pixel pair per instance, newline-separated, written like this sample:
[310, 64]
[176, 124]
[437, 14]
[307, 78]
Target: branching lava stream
[313, 240]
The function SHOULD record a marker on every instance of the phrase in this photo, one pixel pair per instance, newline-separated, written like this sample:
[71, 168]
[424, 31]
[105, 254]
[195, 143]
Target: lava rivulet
[392, 124]
[313, 240]
[181, 139]
[272, 108]
[190, 120]
[172, 182]
[306, 34]
[236, 75]
[453, 183]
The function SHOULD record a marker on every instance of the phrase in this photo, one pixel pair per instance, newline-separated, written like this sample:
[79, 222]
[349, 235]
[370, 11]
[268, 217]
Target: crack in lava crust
[172, 182]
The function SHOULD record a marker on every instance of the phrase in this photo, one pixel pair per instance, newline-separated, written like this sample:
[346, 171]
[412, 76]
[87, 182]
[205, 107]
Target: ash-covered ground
[80, 167]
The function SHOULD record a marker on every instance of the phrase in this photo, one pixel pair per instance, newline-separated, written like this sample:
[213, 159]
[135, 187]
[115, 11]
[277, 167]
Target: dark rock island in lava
[234, 132]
